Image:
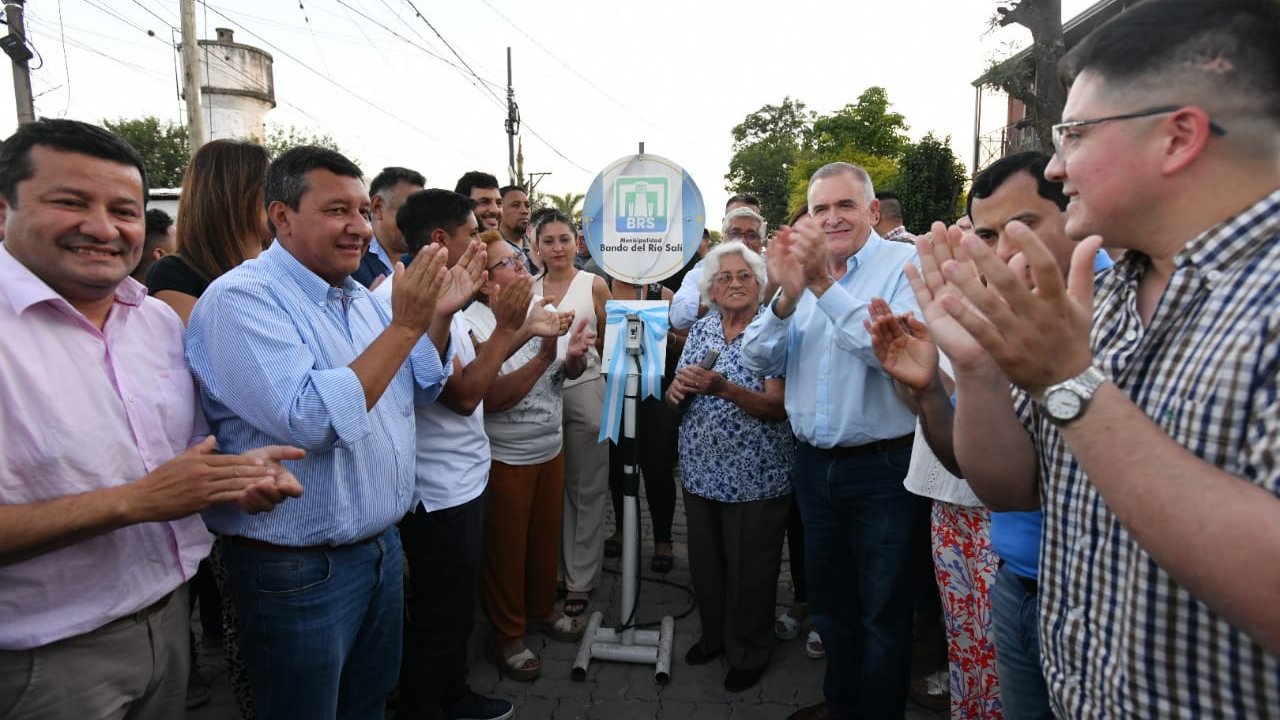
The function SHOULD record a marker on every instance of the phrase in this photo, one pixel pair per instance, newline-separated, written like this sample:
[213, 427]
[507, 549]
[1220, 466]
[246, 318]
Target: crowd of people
[348, 418]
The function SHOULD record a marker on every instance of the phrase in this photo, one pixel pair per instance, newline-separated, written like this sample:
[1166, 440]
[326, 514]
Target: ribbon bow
[654, 321]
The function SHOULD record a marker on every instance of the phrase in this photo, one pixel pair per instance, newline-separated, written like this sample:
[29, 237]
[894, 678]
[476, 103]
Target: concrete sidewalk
[618, 691]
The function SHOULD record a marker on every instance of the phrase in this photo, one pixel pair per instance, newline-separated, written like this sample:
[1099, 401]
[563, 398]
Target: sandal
[575, 603]
[563, 629]
[786, 627]
[813, 646]
[522, 666]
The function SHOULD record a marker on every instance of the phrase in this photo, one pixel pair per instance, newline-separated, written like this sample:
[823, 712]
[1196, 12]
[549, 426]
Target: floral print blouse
[725, 454]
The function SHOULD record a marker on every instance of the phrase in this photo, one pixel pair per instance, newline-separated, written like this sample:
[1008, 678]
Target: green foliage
[567, 203]
[931, 183]
[765, 146]
[883, 172]
[162, 144]
[281, 138]
[868, 126]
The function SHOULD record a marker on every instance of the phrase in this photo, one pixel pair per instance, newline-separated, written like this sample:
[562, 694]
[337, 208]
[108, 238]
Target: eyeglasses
[1061, 129]
[736, 234]
[510, 262]
[725, 279]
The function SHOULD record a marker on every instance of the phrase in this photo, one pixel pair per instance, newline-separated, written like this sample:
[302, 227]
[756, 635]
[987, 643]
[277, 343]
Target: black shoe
[478, 707]
[698, 656]
[738, 680]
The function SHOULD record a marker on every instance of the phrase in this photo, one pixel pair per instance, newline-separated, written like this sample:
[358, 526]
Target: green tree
[281, 138]
[162, 144]
[567, 203]
[930, 184]
[868, 127]
[1031, 77]
[766, 144]
[883, 172]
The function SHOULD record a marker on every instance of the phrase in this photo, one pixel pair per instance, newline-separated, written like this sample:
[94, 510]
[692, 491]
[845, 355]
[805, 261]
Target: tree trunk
[1045, 95]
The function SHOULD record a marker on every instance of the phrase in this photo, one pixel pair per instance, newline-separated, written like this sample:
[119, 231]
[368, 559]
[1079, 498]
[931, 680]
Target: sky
[422, 84]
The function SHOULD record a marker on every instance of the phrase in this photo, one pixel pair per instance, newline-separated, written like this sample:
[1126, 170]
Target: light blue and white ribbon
[654, 320]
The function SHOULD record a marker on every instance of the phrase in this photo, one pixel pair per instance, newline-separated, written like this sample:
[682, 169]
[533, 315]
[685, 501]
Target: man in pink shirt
[104, 464]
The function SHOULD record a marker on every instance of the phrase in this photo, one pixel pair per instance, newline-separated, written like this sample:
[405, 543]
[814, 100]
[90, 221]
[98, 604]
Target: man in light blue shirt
[288, 349]
[855, 438]
[742, 222]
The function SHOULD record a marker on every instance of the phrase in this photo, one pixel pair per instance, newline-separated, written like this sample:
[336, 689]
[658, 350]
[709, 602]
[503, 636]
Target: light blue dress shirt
[687, 300]
[837, 393]
[270, 343]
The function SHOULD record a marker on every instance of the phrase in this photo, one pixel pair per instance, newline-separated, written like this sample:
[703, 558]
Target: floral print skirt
[966, 567]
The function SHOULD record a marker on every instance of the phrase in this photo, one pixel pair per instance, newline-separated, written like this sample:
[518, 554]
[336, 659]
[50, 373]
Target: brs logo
[641, 204]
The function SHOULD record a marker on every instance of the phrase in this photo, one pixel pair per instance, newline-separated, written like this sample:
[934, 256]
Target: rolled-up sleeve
[252, 363]
[764, 344]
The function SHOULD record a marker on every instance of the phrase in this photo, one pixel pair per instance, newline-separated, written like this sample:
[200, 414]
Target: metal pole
[21, 71]
[191, 76]
[512, 120]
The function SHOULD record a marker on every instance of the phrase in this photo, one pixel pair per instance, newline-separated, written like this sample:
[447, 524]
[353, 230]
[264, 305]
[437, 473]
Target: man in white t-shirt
[443, 532]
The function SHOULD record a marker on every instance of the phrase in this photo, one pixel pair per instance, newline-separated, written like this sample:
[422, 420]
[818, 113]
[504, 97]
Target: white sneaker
[786, 627]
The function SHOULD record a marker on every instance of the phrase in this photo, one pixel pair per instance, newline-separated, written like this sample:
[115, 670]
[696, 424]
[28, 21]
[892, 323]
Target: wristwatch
[1068, 399]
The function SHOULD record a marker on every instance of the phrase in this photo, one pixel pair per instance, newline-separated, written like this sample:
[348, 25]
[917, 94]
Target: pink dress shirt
[82, 410]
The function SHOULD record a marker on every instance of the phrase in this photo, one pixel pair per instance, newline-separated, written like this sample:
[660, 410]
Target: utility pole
[15, 46]
[513, 123]
[191, 76]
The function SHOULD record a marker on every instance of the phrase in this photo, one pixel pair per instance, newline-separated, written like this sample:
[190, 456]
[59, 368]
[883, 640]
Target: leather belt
[272, 547]
[871, 448]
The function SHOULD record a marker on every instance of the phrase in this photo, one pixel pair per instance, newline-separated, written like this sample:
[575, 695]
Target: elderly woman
[735, 462]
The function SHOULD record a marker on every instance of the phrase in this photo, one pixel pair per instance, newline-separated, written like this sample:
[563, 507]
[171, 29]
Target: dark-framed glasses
[1061, 130]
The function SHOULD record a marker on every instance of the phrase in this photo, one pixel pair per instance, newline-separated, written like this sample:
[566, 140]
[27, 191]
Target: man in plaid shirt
[1148, 406]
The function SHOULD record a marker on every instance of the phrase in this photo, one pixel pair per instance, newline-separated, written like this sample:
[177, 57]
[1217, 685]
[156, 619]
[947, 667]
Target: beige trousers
[134, 668]
[586, 486]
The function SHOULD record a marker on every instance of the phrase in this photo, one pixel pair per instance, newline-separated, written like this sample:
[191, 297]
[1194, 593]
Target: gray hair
[711, 267]
[747, 213]
[844, 168]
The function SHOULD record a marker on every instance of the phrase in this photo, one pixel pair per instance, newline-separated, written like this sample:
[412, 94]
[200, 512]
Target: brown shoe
[813, 712]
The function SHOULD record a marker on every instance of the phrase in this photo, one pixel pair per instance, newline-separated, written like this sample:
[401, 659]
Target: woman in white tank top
[586, 481]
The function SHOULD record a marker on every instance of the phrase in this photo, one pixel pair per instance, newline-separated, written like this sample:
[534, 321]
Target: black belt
[871, 448]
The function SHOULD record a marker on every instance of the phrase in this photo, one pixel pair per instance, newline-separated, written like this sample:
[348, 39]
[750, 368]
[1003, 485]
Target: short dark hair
[286, 179]
[744, 198]
[67, 136]
[994, 175]
[890, 205]
[1228, 46]
[158, 222]
[392, 176]
[502, 191]
[475, 179]
[425, 211]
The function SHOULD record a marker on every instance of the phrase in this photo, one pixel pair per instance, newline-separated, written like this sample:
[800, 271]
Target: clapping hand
[902, 345]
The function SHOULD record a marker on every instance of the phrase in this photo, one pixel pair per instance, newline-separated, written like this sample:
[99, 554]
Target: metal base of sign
[627, 644]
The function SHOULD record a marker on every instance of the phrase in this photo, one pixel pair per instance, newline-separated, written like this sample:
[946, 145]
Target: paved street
[619, 691]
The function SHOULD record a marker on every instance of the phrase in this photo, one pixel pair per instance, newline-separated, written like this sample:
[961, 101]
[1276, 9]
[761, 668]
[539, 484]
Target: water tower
[238, 88]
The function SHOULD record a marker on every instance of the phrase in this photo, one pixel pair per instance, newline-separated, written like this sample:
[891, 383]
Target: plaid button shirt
[1120, 637]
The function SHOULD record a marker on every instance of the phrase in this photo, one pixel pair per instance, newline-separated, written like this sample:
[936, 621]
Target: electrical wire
[412, 126]
[630, 111]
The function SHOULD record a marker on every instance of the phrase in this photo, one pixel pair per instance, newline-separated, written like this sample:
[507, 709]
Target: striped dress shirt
[270, 343]
[1121, 638]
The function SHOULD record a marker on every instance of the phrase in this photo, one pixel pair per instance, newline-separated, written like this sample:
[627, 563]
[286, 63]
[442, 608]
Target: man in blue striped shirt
[288, 349]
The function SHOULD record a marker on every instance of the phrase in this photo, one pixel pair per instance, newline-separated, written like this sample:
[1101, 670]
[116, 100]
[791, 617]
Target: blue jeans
[320, 630]
[860, 527]
[1015, 624]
